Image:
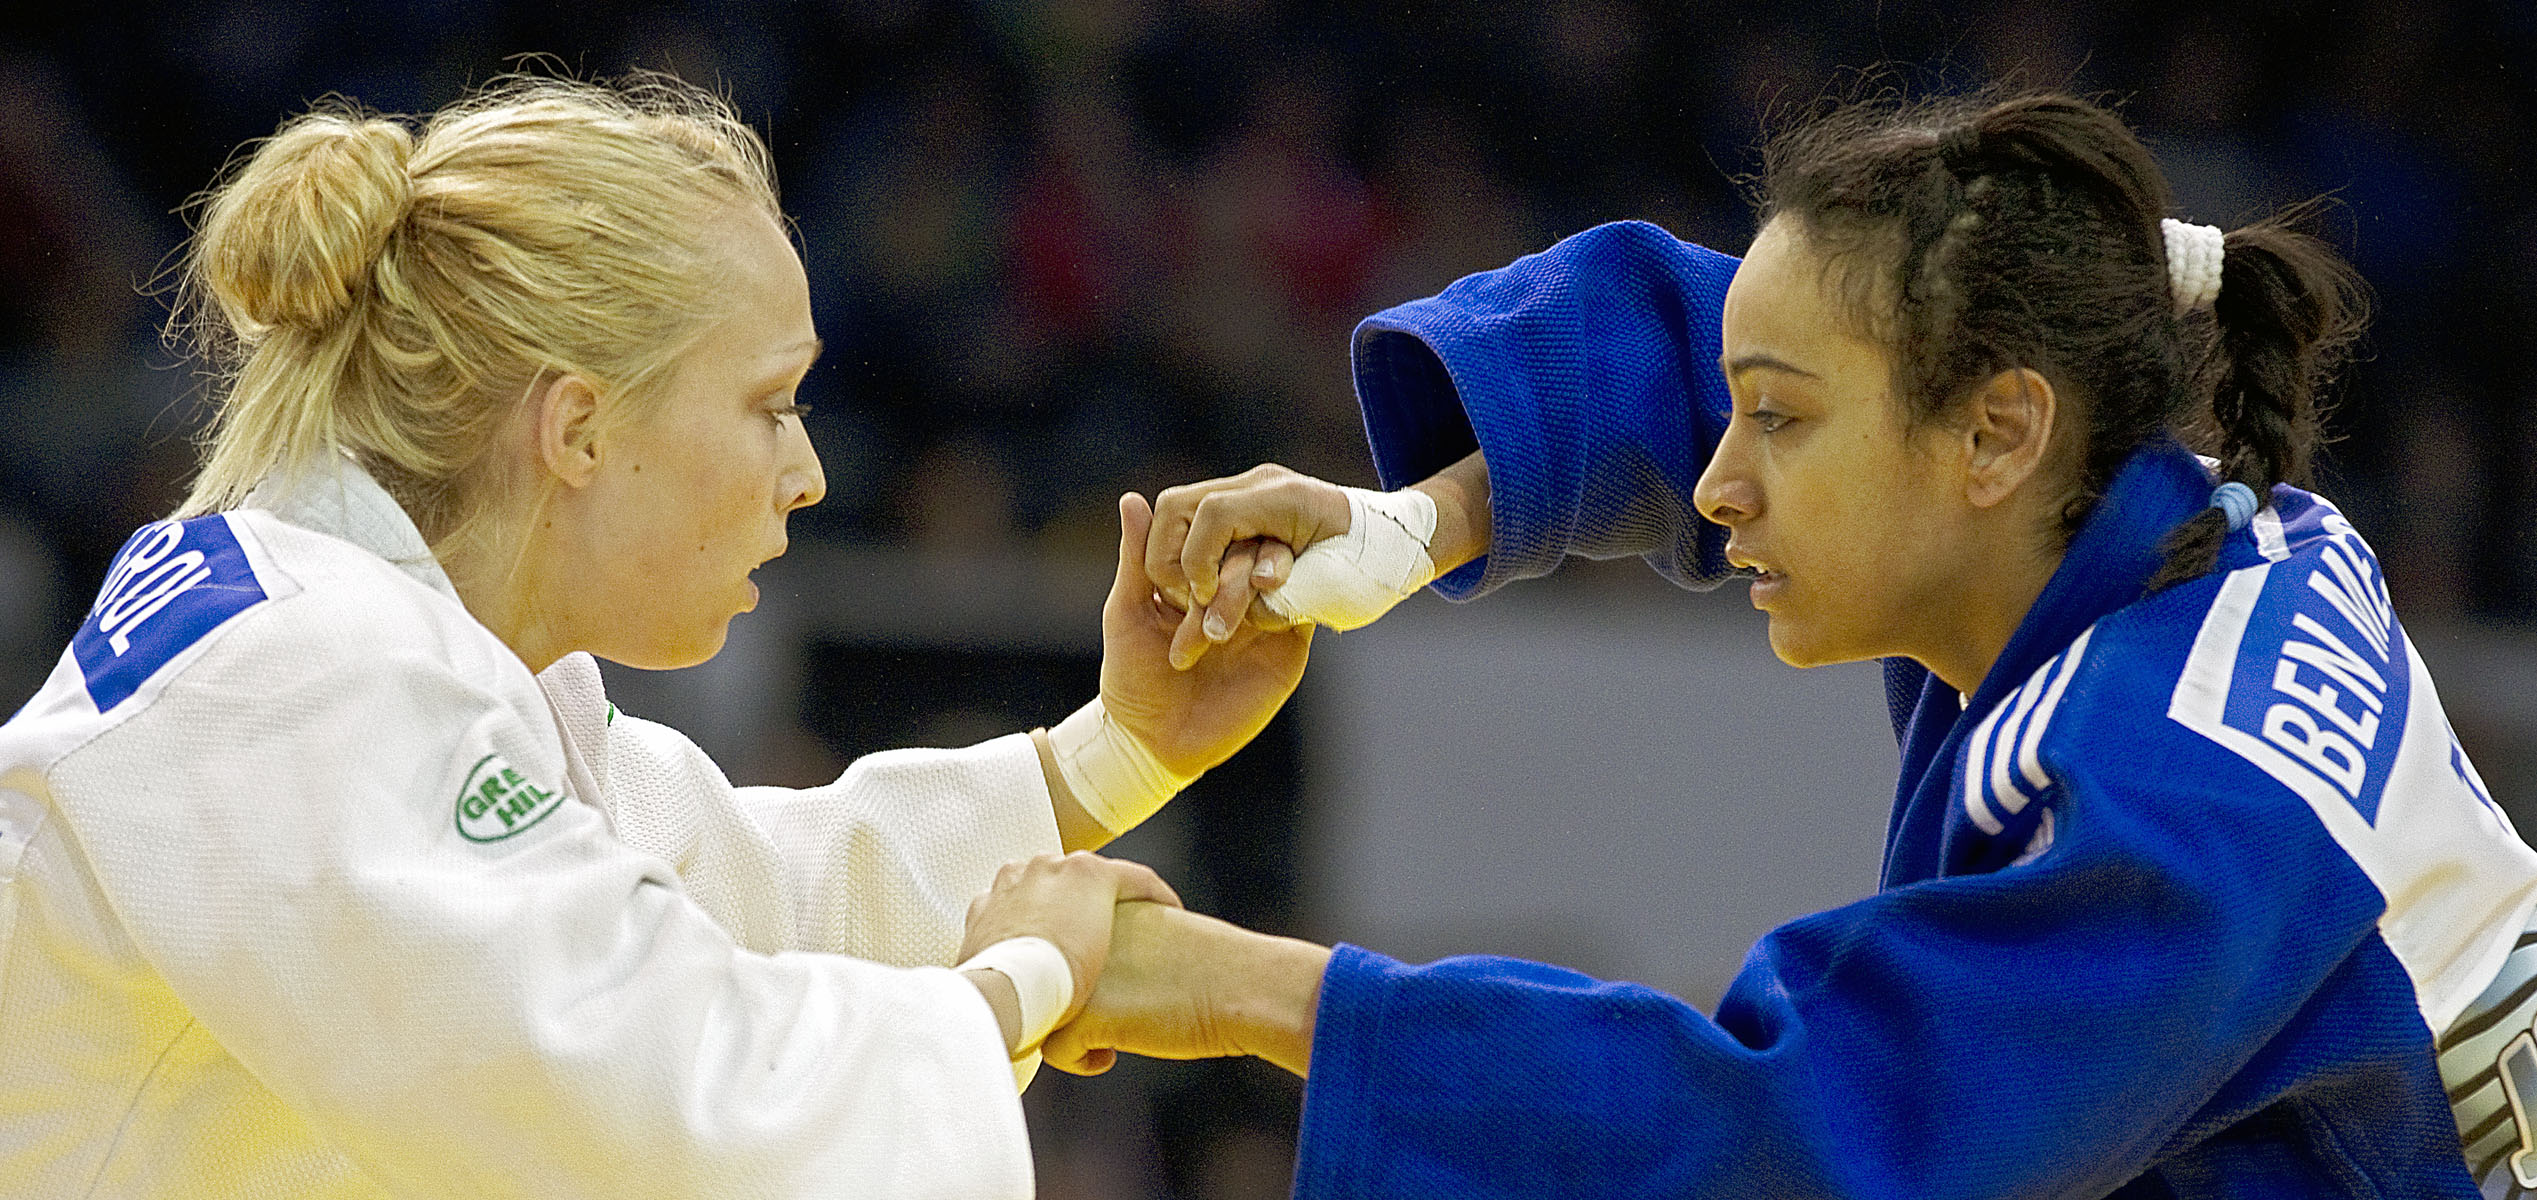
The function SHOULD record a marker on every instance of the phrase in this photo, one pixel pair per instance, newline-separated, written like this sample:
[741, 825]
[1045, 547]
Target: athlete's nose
[1726, 493]
[803, 483]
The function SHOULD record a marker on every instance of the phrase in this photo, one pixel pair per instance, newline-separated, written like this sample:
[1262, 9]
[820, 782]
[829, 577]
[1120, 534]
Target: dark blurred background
[1059, 251]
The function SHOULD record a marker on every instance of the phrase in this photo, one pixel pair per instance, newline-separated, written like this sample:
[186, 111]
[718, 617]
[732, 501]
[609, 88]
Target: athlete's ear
[2009, 431]
[564, 414]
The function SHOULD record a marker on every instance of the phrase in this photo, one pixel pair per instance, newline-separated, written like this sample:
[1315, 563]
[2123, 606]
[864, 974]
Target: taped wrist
[1116, 780]
[1043, 986]
[1345, 582]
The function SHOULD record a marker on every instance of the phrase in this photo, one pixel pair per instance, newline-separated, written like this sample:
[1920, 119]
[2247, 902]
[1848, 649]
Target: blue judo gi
[2177, 903]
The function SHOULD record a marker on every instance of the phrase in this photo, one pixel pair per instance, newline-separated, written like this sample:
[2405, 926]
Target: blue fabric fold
[1589, 374]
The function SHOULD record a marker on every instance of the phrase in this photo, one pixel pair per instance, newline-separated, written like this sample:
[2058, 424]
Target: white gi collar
[337, 498]
[340, 499]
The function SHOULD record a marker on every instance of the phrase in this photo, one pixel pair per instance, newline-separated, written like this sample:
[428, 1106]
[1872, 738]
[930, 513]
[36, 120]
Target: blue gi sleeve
[1588, 374]
[2050, 1029]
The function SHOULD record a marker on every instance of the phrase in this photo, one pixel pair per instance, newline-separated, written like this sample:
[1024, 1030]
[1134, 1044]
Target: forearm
[1076, 830]
[1461, 493]
[1181, 985]
[1274, 990]
[1000, 996]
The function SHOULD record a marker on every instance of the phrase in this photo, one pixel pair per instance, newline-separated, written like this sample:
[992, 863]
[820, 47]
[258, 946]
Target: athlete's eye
[789, 410]
[1770, 422]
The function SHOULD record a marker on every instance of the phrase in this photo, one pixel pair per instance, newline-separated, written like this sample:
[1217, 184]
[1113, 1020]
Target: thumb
[1071, 1051]
[1137, 883]
[1135, 518]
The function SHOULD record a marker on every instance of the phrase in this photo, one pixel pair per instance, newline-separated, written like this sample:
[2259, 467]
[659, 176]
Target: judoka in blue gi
[2188, 888]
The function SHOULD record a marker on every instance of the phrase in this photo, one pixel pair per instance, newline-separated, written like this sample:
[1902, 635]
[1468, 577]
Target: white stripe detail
[2013, 734]
[2004, 790]
[2028, 760]
[2036, 845]
[1975, 754]
[2268, 534]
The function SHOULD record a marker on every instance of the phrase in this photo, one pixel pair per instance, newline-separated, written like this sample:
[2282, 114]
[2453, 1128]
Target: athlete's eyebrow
[1765, 362]
[786, 357]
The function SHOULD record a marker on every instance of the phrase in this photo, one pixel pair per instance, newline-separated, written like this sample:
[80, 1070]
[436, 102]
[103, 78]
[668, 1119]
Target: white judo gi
[309, 889]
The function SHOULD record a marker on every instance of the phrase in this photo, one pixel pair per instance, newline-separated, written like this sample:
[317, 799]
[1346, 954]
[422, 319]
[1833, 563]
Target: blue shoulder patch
[2301, 670]
[173, 582]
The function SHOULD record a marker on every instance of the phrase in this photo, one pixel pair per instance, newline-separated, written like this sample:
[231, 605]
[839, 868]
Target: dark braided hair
[1974, 235]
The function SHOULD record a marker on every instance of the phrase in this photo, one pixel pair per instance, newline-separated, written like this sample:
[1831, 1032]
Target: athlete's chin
[678, 651]
[707, 643]
[1803, 643]
[1790, 647]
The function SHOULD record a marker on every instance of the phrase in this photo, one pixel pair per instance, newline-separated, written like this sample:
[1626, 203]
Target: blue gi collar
[2106, 567]
[2110, 559]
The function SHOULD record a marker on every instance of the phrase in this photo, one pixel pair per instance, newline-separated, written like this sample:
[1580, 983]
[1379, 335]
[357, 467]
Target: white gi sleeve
[879, 864]
[361, 872]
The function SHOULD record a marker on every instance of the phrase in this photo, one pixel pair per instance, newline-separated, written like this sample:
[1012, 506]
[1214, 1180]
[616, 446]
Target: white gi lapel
[579, 700]
[340, 499]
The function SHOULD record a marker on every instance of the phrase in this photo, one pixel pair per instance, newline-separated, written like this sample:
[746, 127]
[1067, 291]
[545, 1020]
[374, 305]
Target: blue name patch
[2322, 676]
[172, 583]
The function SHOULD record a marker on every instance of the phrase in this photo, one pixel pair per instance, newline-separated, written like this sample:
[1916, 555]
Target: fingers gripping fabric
[1347, 581]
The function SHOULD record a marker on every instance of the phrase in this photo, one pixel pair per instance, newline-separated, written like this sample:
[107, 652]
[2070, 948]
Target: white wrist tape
[1043, 983]
[1347, 581]
[1114, 777]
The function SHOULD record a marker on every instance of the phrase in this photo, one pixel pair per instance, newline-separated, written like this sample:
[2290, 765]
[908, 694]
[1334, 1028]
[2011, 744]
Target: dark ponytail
[2288, 312]
[1974, 235]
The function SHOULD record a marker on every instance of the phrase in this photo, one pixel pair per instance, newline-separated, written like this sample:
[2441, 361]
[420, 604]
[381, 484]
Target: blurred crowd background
[1063, 250]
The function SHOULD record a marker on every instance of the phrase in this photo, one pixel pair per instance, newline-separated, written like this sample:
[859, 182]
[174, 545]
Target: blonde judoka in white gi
[326, 868]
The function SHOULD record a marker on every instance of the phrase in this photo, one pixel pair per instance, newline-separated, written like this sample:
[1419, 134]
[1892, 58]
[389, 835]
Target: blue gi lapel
[2112, 556]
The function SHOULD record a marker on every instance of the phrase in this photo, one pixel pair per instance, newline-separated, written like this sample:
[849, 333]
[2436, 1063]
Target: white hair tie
[2194, 253]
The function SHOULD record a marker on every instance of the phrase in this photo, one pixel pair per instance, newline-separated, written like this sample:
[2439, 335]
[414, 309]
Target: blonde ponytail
[354, 288]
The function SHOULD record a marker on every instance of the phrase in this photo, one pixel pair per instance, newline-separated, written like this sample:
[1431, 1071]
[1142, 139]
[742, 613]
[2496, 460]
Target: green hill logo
[497, 802]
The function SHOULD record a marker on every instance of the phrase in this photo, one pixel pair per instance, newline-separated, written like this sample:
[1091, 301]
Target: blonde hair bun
[355, 288]
[293, 239]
